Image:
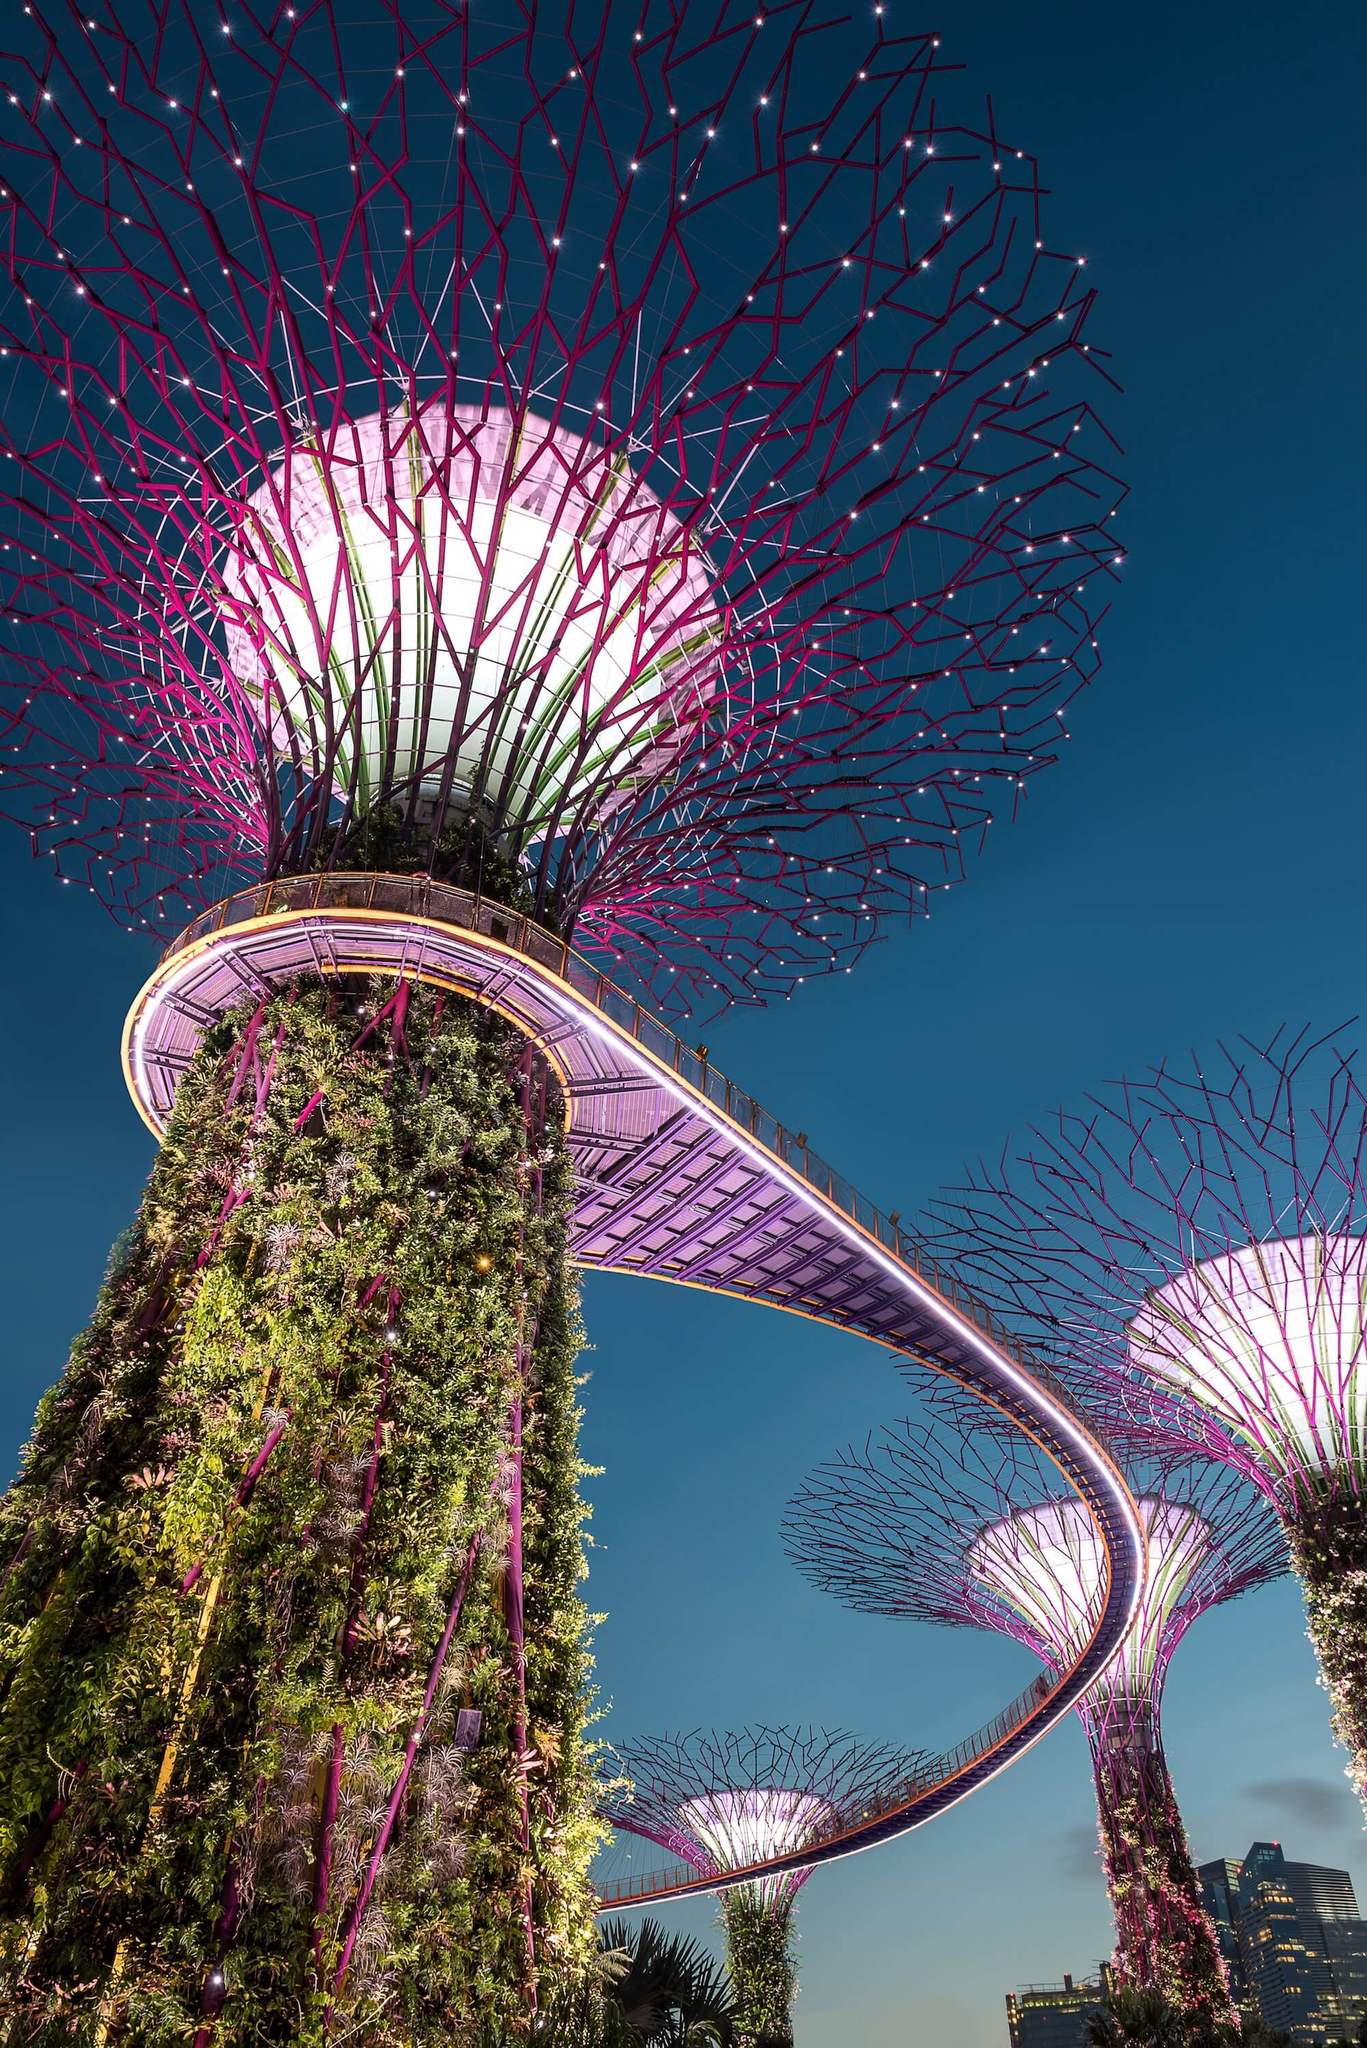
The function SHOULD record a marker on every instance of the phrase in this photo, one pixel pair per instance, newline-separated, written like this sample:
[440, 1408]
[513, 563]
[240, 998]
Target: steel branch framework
[659, 443]
[942, 1519]
[725, 1799]
[683, 1178]
[947, 1518]
[1192, 1244]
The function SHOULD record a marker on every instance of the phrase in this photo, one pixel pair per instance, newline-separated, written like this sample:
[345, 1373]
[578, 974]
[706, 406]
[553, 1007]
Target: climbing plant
[1165, 1943]
[294, 1667]
[759, 1957]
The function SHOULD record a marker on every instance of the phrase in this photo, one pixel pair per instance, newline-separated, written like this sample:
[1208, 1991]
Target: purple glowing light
[1192, 1252]
[612, 437]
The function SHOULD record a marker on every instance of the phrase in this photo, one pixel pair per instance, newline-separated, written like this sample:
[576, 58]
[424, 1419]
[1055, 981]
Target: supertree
[1191, 1243]
[725, 1800]
[639, 467]
[944, 1520]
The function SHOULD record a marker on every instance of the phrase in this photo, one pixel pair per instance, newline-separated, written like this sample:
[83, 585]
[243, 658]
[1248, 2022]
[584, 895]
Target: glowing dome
[461, 593]
[1269, 1339]
[749, 1824]
[1048, 1565]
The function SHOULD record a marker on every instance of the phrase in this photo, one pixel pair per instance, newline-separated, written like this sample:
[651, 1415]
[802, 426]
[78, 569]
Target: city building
[1293, 1941]
[1220, 1894]
[1054, 2015]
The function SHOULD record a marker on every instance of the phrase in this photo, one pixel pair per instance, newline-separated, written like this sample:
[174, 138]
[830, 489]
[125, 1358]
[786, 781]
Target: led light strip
[1055, 1422]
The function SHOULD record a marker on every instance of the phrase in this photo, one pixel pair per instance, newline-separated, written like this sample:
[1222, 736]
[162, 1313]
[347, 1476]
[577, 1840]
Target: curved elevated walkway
[682, 1177]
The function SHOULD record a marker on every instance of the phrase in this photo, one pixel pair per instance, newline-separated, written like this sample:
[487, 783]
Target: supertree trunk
[1327, 1535]
[293, 1665]
[759, 1958]
[1164, 1939]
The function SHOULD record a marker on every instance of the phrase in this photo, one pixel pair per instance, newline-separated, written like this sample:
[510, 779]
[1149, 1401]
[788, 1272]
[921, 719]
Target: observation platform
[681, 1176]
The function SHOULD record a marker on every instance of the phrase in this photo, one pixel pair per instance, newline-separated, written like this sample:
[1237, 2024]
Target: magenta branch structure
[942, 1520]
[664, 443]
[1192, 1245]
[725, 1800]
[682, 1177]
[553, 509]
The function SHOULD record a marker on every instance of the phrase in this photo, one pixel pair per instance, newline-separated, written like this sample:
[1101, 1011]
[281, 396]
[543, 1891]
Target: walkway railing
[416, 897]
[465, 910]
[940, 1770]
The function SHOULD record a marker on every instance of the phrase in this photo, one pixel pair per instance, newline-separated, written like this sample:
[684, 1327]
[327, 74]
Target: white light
[1048, 1565]
[1269, 1339]
[754, 1825]
[590, 609]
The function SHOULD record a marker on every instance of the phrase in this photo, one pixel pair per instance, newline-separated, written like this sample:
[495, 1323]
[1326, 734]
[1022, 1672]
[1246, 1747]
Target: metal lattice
[723, 1800]
[660, 442]
[1190, 1248]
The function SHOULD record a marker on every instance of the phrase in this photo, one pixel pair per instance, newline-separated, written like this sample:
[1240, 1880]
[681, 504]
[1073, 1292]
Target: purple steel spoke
[641, 464]
[712, 415]
[946, 1518]
[372, 1870]
[246, 1488]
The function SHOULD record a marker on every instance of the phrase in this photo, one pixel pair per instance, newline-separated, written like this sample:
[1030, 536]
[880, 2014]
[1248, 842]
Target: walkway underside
[681, 1177]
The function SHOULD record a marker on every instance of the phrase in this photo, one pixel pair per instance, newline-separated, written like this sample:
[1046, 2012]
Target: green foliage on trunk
[1165, 1943]
[759, 1958]
[1328, 1540]
[241, 1526]
[465, 853]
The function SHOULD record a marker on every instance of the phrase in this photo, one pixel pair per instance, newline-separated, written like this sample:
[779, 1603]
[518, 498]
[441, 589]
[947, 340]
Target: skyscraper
[1220, 1894]
[1293, 1941]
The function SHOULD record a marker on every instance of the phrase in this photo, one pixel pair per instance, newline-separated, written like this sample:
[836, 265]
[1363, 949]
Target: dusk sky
[1192, 869]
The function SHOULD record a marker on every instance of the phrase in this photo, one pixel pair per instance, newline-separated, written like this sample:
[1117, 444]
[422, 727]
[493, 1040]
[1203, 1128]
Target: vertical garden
[759, 1933]
[293, 1662]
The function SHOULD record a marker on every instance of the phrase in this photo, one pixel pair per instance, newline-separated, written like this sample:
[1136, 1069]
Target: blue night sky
[1191, 869]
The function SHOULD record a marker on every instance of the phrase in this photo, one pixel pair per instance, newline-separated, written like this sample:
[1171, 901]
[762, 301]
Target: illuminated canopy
[752, 1823]
[725, 1799]
[1048, 1565]
[475, 604]
[1270, 1339]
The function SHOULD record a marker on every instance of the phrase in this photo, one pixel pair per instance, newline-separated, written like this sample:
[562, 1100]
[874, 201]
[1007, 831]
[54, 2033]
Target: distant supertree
[632, 462]
[724, 1800]
[1192, 1244]
[943, 1520]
